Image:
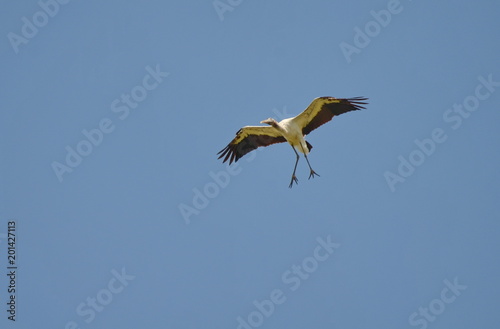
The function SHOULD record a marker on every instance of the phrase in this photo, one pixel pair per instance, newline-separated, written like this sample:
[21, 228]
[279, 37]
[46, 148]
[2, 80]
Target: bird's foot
[294, 179]
[312, 173]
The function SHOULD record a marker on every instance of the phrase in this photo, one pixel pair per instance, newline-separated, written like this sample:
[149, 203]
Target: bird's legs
[294, 178]
[312, 172]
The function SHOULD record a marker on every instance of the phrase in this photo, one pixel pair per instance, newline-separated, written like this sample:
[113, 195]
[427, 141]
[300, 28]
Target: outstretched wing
[248, 139]
[323, 109]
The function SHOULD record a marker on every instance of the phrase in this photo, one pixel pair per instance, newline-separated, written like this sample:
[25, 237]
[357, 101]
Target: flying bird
[291, 130]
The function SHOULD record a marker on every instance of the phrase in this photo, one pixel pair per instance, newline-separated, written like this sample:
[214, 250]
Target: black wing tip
[229, 153]
[357, 102]
[344, 105]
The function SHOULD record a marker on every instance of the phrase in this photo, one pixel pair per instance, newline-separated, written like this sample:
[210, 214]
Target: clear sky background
[145, 228]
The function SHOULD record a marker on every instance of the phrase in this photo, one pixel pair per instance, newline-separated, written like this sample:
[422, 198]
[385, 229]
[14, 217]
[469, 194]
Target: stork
[291, 130]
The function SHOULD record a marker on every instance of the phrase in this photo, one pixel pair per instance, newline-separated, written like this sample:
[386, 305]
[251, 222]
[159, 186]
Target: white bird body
[291, 130]
[293, 134]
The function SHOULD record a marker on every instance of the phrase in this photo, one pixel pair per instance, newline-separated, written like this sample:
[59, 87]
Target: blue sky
[111, 117]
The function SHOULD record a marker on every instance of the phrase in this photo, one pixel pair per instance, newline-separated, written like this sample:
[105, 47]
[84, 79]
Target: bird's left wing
[323, 109]
[248, 139]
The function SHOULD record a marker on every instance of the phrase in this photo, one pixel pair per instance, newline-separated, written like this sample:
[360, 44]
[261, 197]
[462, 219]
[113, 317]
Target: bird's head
[270, 121]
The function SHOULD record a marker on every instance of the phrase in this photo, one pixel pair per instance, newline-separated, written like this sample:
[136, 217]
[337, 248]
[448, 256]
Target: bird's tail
[309, 146]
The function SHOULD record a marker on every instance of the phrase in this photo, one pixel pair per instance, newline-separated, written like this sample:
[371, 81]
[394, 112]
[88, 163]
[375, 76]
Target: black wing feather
[236, 149]
[329, 110]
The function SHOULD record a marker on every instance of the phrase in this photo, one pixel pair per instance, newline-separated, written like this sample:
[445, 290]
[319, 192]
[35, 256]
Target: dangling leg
[294, 178]
[312, 172]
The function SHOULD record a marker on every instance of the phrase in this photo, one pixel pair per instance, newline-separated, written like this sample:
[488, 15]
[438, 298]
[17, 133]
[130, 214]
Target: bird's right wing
[248, 139]
[323, 109]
